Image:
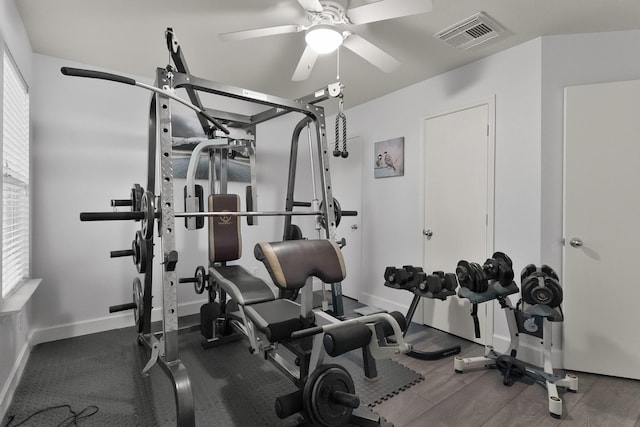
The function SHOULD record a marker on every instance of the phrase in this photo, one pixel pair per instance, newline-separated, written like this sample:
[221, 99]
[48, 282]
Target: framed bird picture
[388, 158]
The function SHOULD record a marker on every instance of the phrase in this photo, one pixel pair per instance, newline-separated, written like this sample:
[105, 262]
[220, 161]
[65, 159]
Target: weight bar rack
[149, 207]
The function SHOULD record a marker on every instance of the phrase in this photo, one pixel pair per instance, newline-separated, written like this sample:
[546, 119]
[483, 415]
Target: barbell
[147, 214]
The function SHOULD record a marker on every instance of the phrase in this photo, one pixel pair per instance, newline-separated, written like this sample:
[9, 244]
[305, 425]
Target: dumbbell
[541, 286]
[404, 278]
[499, 267]
[437, 282]
[472, 276]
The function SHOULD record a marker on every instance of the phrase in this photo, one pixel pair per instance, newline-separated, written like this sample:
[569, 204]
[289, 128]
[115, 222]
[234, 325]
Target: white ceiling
[127, 36]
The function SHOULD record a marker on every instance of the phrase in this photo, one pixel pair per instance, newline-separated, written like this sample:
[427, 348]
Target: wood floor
[479, 398]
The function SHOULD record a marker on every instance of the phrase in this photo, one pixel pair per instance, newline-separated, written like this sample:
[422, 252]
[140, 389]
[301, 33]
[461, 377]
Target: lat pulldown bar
[92, 74]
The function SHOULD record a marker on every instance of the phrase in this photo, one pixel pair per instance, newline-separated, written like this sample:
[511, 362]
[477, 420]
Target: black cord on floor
[70, 420]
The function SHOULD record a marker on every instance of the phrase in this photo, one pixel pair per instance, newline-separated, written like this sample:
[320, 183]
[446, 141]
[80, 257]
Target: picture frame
[388, 158]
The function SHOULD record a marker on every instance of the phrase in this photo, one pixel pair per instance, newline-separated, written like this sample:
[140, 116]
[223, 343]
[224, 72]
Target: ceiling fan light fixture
[323, 38]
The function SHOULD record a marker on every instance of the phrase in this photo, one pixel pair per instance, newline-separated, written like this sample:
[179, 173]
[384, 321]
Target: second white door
[458, 209]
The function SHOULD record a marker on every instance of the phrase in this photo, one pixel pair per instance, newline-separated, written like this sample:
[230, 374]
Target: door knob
[575, 242]
[427, 233]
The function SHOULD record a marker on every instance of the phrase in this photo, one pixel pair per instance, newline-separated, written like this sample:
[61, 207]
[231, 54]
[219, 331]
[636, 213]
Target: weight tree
[156, 204]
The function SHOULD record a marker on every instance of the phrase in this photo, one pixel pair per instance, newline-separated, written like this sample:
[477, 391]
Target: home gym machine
[438, 285]
[325, 396]
[534, 314]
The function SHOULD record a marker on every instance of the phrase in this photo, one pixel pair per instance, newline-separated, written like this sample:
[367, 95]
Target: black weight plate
[463, 272]
[527, 271]
[138, 300]
[337, 213]
[491, 268]
[503, 256]
[549, 271]
[316, 396]
[201, 279]
[136, 197]
[556, 289]
[147, 206]
[528, 284]
[505, 272]
[482, 284]
[139, 247]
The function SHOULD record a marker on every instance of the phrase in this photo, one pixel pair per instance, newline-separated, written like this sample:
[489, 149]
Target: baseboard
[529, 350]
[101, 324]
[10, 386]
[376, 301]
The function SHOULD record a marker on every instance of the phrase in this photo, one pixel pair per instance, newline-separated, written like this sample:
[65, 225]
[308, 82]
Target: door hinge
[487, 129]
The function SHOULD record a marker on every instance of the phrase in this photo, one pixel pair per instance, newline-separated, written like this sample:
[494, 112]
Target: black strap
[476, 322]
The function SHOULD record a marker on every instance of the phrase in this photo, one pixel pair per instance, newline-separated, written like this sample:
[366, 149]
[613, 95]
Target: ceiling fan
[323, 32]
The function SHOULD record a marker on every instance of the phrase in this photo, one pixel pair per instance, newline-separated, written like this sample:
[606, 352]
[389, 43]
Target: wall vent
[470, 32]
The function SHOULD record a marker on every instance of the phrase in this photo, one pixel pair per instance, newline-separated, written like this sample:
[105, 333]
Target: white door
[458, 209]
[602, 209]
[346, 179]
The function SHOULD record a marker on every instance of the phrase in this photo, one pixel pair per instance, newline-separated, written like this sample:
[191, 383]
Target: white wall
[15, 328]
[392, 220]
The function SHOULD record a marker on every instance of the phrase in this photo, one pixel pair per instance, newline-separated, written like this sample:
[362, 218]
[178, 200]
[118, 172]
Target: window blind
[15, 178]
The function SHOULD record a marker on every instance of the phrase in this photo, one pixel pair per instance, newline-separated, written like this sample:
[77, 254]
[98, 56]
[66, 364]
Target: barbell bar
[124, 216]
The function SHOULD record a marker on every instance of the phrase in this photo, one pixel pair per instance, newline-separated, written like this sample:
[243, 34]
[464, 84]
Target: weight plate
[482, 283]
[503, 256]
[139, 247]
[549, 271]
[138, 300]
[147, 206]
[136, 197]
[556, 289]
[337, 213]
[491, 268]
[526, 272]
[528, 285]
[463, 272]
[318, 403]
[200, 283]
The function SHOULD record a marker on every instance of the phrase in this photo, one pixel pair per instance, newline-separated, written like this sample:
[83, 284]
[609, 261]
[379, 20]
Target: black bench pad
[243, 287]
[277, 319]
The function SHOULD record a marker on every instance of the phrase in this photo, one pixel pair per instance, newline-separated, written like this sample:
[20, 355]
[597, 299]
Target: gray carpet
[231, 387]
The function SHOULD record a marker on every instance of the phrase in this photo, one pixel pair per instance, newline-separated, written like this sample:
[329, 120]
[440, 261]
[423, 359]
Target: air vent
[470, 32]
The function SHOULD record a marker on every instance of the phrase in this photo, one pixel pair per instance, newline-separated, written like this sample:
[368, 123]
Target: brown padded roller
[291, 262]
[225, 242]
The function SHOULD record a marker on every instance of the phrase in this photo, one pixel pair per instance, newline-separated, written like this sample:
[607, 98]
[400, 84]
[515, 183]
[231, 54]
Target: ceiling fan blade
[311, 5]
[388, 9]
[259, 32]
[371, 53]
[305, 65]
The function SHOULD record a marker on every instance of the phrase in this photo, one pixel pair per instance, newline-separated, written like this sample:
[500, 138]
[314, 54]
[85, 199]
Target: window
[15, 177]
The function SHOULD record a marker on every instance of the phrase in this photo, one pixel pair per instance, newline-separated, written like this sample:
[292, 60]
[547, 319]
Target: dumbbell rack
[419, 290]
[544, 375]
